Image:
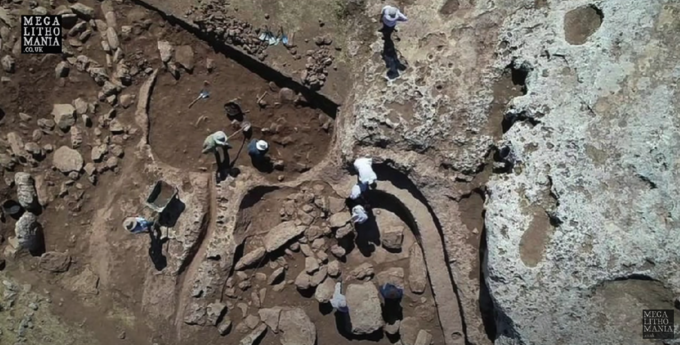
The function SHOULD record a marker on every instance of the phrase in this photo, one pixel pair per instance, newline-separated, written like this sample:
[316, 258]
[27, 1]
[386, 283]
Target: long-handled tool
[202, 95]
[245, 128]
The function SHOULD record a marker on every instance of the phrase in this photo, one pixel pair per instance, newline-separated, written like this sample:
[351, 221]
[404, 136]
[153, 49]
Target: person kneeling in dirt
[257, 150]
[212, 142]
[339, 302]
[137, 225]
[364, 167]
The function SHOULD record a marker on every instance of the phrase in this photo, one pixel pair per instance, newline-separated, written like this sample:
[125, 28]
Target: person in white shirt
[359, 215]
[364, 167]
[390, 16]
[339, 302]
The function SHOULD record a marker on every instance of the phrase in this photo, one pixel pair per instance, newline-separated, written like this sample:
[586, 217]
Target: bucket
[232, 109]
[11, 208]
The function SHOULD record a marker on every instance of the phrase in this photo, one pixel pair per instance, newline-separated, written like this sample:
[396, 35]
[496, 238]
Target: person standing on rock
[390, 16]
[339, 302]
[137, 225]
[212, 142]
[364, 167]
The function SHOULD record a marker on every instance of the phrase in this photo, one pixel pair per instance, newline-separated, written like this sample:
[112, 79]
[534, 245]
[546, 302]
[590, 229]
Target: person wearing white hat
[137, 225]
[390, 16]
[257, 149]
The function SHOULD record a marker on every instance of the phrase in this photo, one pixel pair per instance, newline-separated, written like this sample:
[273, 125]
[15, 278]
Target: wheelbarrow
[160, 197]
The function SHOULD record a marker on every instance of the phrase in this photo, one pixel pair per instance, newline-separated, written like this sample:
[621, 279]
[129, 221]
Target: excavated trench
[431, 239]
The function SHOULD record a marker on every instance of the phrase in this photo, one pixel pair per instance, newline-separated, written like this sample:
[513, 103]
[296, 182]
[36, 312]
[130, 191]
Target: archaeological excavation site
[329, 172]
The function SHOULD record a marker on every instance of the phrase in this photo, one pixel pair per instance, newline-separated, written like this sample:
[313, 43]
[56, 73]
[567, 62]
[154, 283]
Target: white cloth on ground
[359, 215]
[363, 166]
[391, 15]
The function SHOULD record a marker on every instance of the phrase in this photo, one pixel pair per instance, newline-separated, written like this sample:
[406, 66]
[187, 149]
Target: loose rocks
[214, 312]
[364, 307]
[392, 237]
[324, 292]
[26, 193]
[254, 336]
[184, 56]
[417, 270]
[67, 160]
[270, 317]
[297, 328]
[28, 231]
[251, 258]
[166, 50]
[276, 276]
[408, 330]
[281, 234]
[362, 271]
[64, 116]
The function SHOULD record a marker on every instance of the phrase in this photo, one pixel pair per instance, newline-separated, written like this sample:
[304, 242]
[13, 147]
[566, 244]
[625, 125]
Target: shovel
[202, 95]
[245, 128]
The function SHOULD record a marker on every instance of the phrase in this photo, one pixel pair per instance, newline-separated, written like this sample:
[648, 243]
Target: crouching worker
[257, 150]
[214, 141]
[364, 167]
[137, 225]
[339, 302]
[359, 215]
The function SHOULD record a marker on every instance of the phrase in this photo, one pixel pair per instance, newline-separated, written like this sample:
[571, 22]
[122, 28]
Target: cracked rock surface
[591, 204]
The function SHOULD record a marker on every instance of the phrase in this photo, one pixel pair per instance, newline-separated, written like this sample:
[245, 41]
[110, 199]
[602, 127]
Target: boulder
[166, 50]
[225, 326]
[306, 250]
[344, 231]
[296, 328]
[254, 336]
[424, 338]
[286, 95]
[281, 234]
[64, 116]
[80, 106]
[28, 232]
[55, 262]
[365, 310]
[276, 276]
[67, 160]
[318, 277]
[408, 330]
[26, 192]
[83, 11]
[392, 237]
[112, 38]
[252, 321]
[184, 56]
[303, 281]
[8, 64]
[61, 70]
[214, 312]
[97, 153]
[195, 314]
[253, 257]
[417, 270]
[311, 265]
[392, 275]
[18, 147]
[270, 317]
[338, 251]
[362, 271]
[339, 220]
[334, 268]
[324, 292]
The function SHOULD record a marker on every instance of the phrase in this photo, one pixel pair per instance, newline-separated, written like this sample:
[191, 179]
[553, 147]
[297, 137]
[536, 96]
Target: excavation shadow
[390, 55]
[171, 213]
[156, 249]
[486, 306]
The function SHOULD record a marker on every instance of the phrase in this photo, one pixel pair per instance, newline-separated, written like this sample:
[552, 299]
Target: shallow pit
[297, 132]
[581, 23]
